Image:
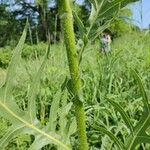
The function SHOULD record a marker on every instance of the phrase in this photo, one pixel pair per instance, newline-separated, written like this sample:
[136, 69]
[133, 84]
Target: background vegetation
[105, 79]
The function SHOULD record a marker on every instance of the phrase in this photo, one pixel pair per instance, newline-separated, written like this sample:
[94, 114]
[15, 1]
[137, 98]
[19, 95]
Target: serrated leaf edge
[34, 128]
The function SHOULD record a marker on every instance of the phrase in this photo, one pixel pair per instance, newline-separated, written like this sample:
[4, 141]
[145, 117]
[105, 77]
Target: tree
[122, 23]
[7, 23]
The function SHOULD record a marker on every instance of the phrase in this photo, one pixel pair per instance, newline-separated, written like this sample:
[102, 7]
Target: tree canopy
[44, 19]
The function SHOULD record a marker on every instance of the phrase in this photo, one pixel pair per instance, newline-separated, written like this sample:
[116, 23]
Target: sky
[144, 7]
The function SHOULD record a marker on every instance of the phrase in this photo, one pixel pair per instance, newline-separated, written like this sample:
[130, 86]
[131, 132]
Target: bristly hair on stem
[73, 61]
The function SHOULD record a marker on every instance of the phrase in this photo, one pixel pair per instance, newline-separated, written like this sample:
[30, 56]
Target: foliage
[7, 22]
[29, 51]
[33, 51]
[4, 59]
[102, 77]
[43, 18]
[26, 122]
[120, 25]
[101, 14]
[115, 91]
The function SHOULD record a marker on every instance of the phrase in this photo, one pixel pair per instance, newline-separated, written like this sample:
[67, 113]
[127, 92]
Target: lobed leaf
[12, 132]
[112, 136]
[53, 111]
[140, 135]
[23, 121]
[124, 115]
[11, 72]
[80, 25]
[142, 90]
[34, 88]
[105, 10]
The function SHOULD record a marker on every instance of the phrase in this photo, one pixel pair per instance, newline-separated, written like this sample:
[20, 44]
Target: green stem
[69, 36]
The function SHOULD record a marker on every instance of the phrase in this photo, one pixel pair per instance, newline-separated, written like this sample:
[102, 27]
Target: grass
[102, 77]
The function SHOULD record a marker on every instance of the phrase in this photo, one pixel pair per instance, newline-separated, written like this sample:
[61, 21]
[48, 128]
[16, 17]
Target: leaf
[12, 67]
[142, 90]
[139, 131]
[79, 23]
[53, 113]
[109, 8]
[72, 129]
[96, 7]
[23, 121]
[40, 142]
[96, 32]
[139, 134]
[110, 83]
[34, 88]
[104, 10]
[5, 111]
[124, 116]
[105, 131]
[12, 132]
[144, 139]
[64, 110]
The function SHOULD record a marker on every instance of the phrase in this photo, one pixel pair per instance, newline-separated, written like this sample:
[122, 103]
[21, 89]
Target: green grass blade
[144, 139]
[110, 83]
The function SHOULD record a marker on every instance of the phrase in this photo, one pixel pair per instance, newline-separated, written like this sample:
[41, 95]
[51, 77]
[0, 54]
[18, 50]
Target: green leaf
[111, 135]
[53, 113]
[72, 129]
[104, 10]
[139, 134]
[12, 132]
[12, 67]
[142, 90]
[96, 32]
[23, 121]
[139, 131]
[35, 87]
[63, 112]
[79, 23]
[144, 139]
[124, 116]
[40, 141]
[5, 111]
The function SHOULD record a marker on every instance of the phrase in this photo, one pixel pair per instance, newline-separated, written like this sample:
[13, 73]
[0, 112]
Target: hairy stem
[67, 25]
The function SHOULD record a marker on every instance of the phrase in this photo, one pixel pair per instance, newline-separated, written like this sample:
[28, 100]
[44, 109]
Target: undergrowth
[102, 76]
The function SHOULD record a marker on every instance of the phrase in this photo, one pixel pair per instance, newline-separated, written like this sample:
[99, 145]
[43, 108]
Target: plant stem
[69, 36]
